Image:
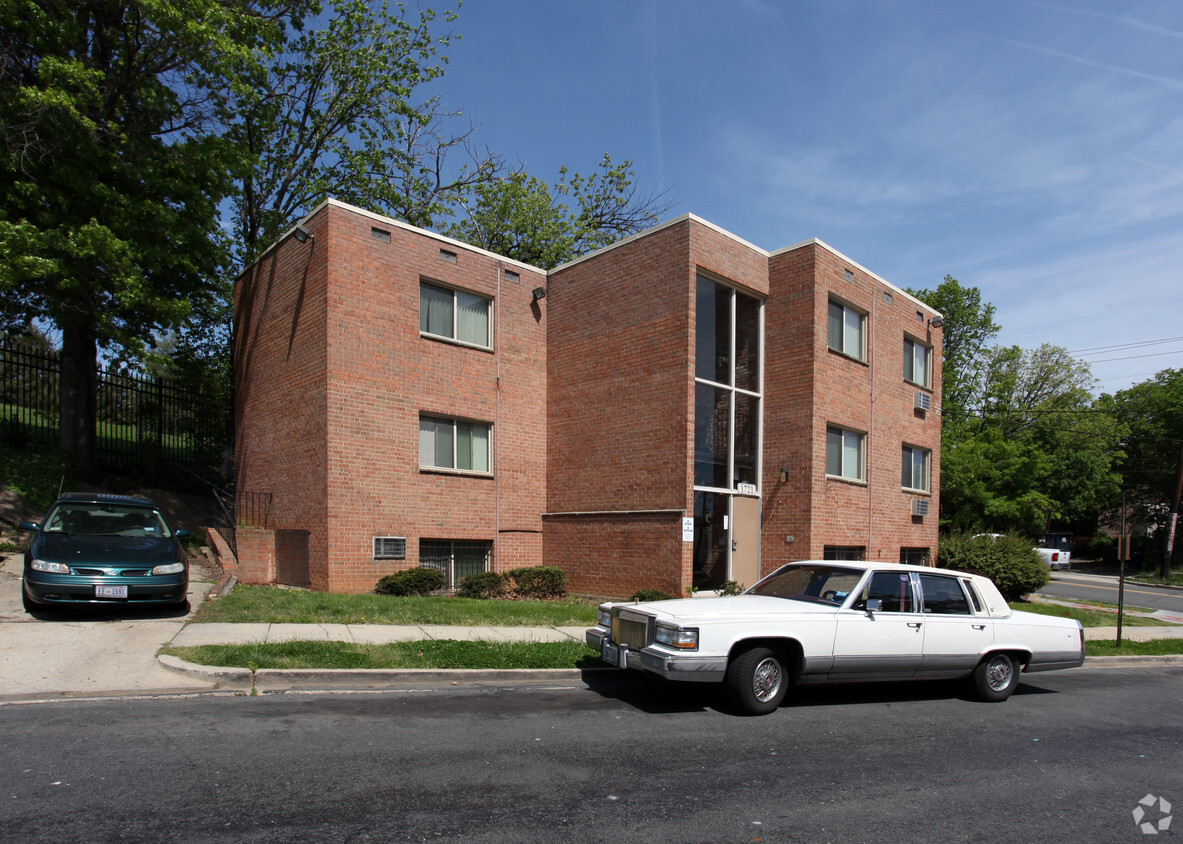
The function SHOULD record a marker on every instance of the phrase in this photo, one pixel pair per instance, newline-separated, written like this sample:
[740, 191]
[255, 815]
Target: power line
[1123, 346]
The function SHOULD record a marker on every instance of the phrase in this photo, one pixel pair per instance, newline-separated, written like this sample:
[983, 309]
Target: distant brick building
[679, 409]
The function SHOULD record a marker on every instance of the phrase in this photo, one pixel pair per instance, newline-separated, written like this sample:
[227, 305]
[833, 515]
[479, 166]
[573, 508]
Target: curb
[289, 679]
[265, 680]
[1132, 661]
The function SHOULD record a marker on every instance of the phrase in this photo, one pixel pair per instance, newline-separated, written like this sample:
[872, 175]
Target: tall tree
[1153, 465]
[1034, 451]
[341, 112]
[109, 181]
[522, 217]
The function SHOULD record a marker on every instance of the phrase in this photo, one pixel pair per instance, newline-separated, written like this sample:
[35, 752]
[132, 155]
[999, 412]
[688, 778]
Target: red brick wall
[374, 375]
[871, 397]
[281, 416]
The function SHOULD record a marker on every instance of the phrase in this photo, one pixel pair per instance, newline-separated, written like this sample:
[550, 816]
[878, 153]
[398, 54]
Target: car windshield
[820, 584]
[91, 519]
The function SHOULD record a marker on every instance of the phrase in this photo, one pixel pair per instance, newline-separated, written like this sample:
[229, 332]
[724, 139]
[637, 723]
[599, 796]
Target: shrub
[646, 595]
[538, 582]
[730, 587]
[483, 584]
[417, 581]
[1010, 561]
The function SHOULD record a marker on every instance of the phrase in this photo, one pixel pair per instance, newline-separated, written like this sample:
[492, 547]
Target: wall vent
[919, 506]
[922, 401]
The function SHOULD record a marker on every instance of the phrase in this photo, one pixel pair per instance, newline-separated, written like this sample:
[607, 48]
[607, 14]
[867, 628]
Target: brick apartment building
[679, 409]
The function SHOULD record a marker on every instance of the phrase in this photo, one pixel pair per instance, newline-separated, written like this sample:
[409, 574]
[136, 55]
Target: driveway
[88, 653]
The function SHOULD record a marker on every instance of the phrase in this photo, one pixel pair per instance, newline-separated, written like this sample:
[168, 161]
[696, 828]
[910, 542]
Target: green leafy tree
[110, 179]
[521, 217]
[339, 113]
[1152, 412]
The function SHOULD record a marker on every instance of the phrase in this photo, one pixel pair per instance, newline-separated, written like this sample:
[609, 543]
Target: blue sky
[1033, 150]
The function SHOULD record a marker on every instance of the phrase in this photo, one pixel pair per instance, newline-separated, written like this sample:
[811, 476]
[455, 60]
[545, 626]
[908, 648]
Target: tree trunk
[79, 397]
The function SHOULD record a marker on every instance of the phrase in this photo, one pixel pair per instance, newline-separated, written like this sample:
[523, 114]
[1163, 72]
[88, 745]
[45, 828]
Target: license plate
[610, 653]
[110, 591]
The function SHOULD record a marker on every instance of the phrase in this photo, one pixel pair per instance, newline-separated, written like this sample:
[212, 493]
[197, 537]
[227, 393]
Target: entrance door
[745, 546]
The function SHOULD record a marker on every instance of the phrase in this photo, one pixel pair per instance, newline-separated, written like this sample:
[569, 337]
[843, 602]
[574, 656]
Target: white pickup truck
[1055, 558]
[833, 622]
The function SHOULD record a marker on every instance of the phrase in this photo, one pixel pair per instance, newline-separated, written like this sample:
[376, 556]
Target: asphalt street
[1068, 758]
[1083, 586]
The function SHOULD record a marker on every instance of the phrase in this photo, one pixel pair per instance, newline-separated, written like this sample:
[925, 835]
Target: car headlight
[682, 638]
[604, 617]
[52, 568]
[169, 568]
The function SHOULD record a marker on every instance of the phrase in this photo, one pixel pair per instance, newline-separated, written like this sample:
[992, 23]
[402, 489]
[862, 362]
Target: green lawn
[1100, 617]
[1156, 647]
[436, 653]
[295, 606]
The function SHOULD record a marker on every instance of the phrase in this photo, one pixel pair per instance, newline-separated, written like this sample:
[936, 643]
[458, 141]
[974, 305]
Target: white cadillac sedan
[830, 622]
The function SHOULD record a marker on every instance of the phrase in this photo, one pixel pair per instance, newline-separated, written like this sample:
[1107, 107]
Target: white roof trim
[399, 224]
[696, 219]
[390, 221]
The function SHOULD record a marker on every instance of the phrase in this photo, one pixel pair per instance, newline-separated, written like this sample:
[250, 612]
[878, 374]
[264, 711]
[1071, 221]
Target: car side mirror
[29, 526]
[874, 605]
[182, 533]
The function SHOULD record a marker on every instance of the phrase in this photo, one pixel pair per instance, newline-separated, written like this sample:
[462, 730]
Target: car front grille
[106, 573]
[630, 631]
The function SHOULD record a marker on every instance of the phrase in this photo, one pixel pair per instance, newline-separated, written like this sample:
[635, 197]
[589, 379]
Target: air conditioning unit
[922, 401]
[919, 506]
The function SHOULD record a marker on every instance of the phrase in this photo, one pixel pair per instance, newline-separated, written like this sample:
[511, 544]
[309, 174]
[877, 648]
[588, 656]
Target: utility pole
[1172, 519]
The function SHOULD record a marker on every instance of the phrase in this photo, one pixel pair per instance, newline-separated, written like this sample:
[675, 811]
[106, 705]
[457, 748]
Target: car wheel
[756, 681]
[996, 677]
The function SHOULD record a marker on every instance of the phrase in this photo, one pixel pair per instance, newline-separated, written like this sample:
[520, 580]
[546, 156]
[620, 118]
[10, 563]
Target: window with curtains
[845, 454]
[917, 363]
[847, 331]
[455, 315]
[455, 444]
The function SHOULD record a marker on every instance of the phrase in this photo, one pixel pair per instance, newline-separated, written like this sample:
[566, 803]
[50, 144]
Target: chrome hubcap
[998, 673]
[766, 680]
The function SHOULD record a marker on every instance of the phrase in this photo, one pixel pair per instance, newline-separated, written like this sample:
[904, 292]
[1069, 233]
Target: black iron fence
[143, 423]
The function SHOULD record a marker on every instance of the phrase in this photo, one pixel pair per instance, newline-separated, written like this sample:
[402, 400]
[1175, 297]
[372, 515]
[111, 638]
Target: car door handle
[978, 626]
[915, 624]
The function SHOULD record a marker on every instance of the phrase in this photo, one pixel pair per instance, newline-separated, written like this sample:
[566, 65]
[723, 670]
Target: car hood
[104, 550]
[733, 606]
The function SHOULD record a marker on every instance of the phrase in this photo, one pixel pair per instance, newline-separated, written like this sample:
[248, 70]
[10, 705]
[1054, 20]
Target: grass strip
[434, 653]
[1091, 617]
[293, 606]
[1155, 647]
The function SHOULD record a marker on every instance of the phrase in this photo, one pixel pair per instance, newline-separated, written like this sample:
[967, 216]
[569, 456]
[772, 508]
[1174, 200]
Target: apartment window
[453, 444]
[845, 453]
[455, 315]
[848, 330]
[455, 558]
[849, 553]
[916, 465]
[917, 363]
